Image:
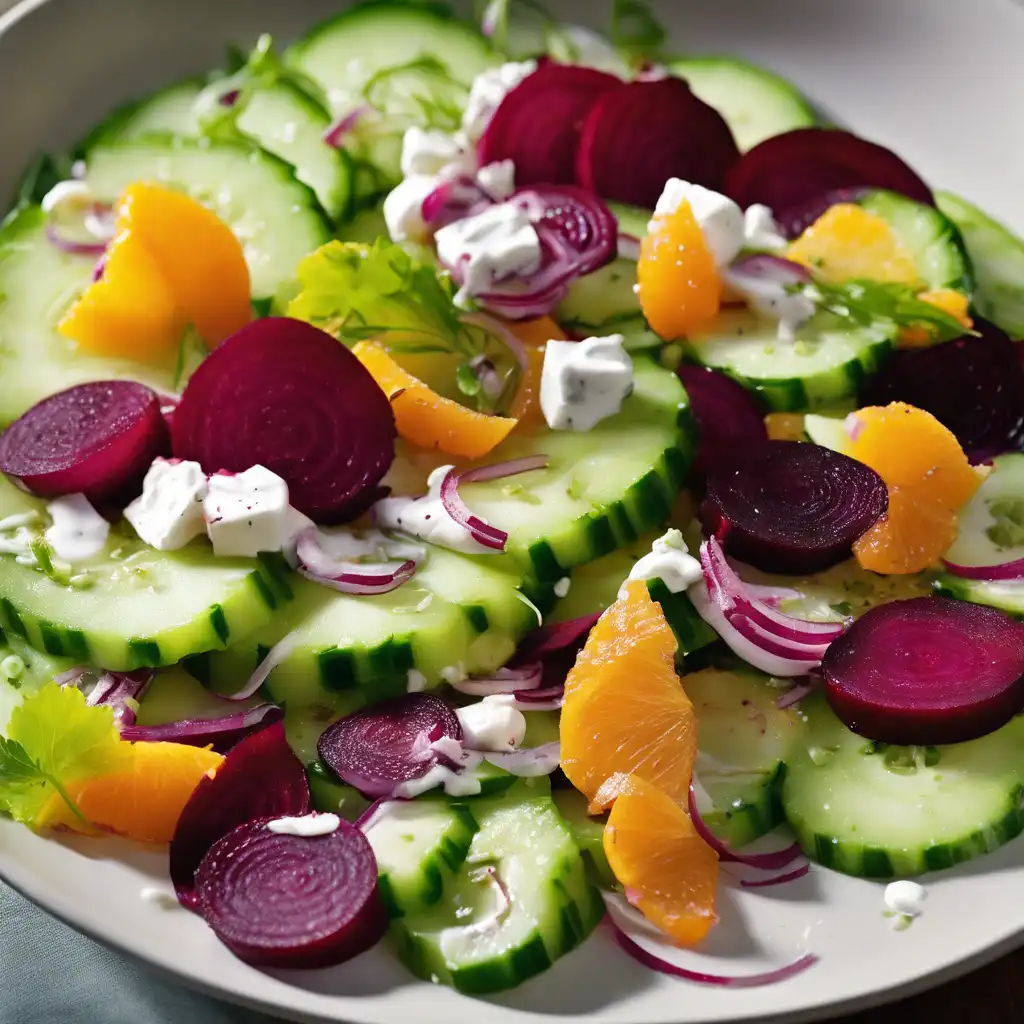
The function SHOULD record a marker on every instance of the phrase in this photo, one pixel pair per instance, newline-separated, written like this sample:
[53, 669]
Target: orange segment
[534, 334]
[678, 284]
[928, 478]
[952, 302]
[130, 311]
[847, 242]
[144, 800]
[669, 872]
[427, 419]
[625, 710]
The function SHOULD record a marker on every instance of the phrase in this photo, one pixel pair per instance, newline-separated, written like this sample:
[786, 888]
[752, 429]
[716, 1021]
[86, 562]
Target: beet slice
[537, 125]
[726, 413]
[795, 220]
[97, 439]
[646, 132]
[927, 671]
[283, 394]
[260, 776]
[379, 747]
[795, 170]
[972, 385]
[790, 507]
[279, 900]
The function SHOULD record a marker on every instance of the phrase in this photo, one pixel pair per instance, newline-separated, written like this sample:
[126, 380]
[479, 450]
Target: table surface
[991, 995]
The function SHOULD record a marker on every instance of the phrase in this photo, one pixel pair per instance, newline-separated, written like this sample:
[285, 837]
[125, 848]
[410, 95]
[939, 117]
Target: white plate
[936, 79]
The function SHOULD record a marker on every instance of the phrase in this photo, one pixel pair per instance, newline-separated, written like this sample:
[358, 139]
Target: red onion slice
[628, 246]
[772, 861]
[505, 680]
[662, 965]
[796, 693]
[318, 565]
[483, 533]
[529, 762]
[556, 637]
[72, 247]
[222, 733]
[502, 903]
[275, 656]
[1004, 571]
[335, 134]
[764, 883]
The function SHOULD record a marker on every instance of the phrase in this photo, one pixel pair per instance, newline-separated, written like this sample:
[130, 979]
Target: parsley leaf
[636, 31]
[55, 738]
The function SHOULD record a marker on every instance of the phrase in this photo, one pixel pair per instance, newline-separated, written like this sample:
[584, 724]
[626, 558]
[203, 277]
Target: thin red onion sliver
[1005, 571]
[505, 680]
[198, 728]
[655, 963]
[369, 816]
[795, 694]
[337, 131]
[348, 577]
[764, 883]
[73, 248]
[771, 861]
[277, 654]
[537, 696]
[527, 762]
[790, 649]
[558, 636]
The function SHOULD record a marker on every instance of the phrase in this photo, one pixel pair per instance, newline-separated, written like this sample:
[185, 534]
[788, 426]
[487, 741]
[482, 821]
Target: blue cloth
[49, 974]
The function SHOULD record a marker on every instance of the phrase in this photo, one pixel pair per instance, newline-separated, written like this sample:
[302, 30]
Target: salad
[462, 482]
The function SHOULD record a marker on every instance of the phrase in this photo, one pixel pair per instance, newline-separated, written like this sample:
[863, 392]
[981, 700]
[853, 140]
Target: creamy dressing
[169, 512]
[78, 532]
[905, 901]
[160, 897]
[670, 561]
[561, 588]
[307, 826]
[584, 382]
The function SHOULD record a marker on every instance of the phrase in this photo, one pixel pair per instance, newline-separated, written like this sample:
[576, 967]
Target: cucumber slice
[138, 607]
[39, 283]
[744, 742]
[824, 366]
[1008, 596]
[551, 906]
[168, 110]
[601, 489]
[344, 52]
[18, 681]
[827, 431]
[419, 845]
[929, 236]
[589, 835]
[755, 102]
[997, 256]
[330, 795]
[276, 218]
[865, 809]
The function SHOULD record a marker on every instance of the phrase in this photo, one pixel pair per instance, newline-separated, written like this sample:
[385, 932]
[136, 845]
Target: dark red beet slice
[283, 394]
[927, 671]
[537, 125]
[973, 385]
[380, 747]
[785, 506]
[727, 415]
[795, 220]
[278, 900]
[97, 439]
[260, 776]
[646, 132]
[793, 171]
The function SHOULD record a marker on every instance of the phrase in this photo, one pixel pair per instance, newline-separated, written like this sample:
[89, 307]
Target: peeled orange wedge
[141, 801]
[929, 480]
[426, 418]
[534, 334]
[173, 263]
[625, 711]
[678, 283]
[952, 302]
[668, 872]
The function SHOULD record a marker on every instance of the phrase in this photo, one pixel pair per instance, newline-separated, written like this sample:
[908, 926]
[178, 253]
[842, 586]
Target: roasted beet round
[638, 136]
[280, 900]
[260, 776]
[789, 507]
[794, 171]
[283, 394]
[97, 439]
[973, 385]
[380, 747]
[927, 671]
[537, 125]
[727, 415]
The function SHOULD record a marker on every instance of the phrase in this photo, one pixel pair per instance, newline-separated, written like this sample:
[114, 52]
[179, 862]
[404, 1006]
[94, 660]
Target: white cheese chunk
[78, 532]
[670, 561]
[403, 208]
[248, 512]
[491, 727]
[169, 512]
[905, 898]
[489, 88]
[584, 382]
[760, 230]
[495, 244]
[719, 218]
[498, 179]
[429, 152]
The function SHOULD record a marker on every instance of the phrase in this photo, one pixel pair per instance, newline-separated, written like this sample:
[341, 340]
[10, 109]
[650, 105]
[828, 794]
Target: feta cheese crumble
[670, 561]
[430, 151]
[491, 727]
[403, 209]
[307, 826]
[584, 382]
[78, 532]
[719, 218]
[169, 512]
[905, 901]
[760, 230]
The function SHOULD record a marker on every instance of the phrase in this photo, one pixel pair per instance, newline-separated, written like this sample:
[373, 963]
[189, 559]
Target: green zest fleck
[1007, 531]
[518, 492]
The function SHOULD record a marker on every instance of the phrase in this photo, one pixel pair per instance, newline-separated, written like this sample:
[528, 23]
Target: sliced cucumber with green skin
[756, 103]
[168, 110]
[551, 905]
[138, 606]
[277, 219]
[18, 681]
[865, 809]
[39, 283]
[1005, 595]
[419, 845]
[997, 256]
[589, 834]
[744, 740]
[929, 236]
[328, 795]
[825, 365]
[827, 431]
[344, 52]
[602, 489]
